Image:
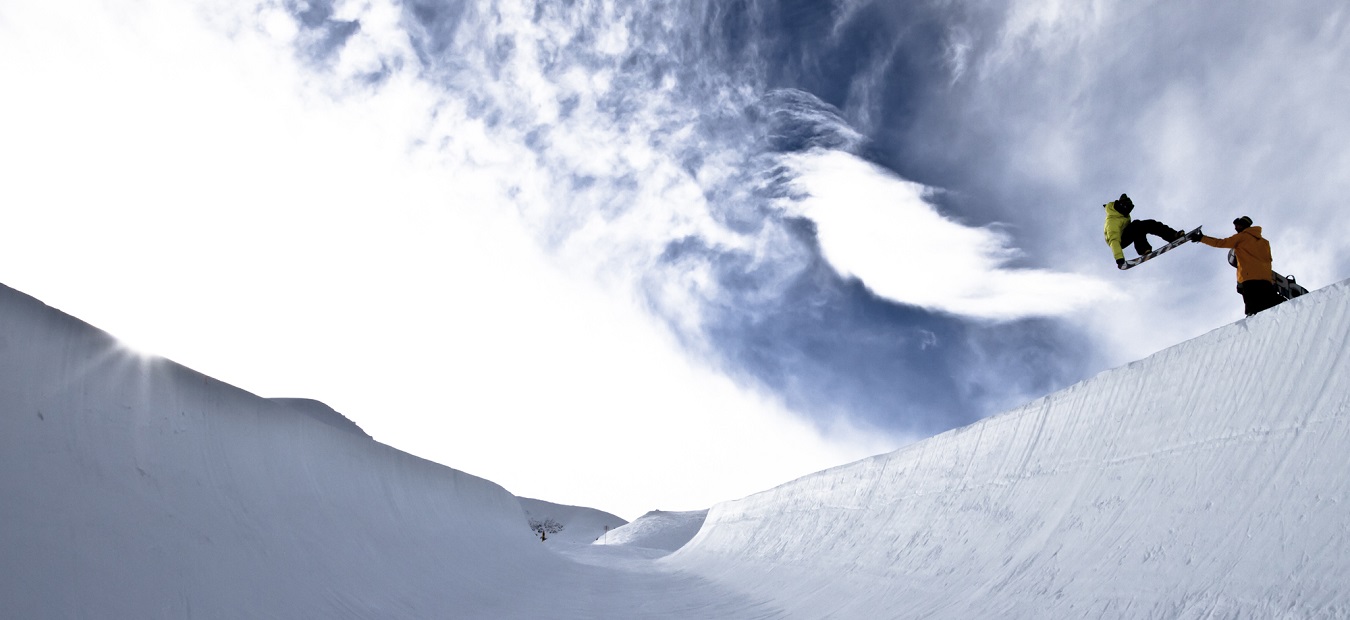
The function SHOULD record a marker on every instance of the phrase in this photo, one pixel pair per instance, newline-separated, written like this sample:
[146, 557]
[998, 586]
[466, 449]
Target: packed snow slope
[136, 488]
[659, 529]
[1209, 480]
[132, 487]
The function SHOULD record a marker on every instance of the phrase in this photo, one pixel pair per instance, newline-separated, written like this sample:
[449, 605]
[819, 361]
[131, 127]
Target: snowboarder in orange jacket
[1254, 264]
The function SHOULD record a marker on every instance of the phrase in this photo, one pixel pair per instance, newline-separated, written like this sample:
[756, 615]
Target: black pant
[1134, 233]
[1258, 295]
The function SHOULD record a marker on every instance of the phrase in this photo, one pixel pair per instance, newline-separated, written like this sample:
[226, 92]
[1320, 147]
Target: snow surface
[322, 413]
[662, 530]
[136, 488]
[1208, 480]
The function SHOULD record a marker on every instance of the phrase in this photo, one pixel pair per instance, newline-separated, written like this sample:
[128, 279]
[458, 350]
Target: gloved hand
[1120, 263]
[1195, 236]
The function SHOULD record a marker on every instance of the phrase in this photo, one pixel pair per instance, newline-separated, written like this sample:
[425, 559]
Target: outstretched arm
[1228, 242]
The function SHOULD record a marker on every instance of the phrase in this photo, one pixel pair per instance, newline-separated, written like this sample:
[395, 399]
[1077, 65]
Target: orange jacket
[1252, 252]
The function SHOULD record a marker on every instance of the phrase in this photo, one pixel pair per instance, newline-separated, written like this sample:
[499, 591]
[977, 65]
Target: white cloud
[207, 199]
[877, 227]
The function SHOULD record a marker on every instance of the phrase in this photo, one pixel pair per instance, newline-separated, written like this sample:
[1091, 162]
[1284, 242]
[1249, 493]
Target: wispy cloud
[667, 167]
[879, 228]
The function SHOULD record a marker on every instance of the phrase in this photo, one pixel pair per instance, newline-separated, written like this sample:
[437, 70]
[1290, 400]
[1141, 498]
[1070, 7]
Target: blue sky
[667, 238]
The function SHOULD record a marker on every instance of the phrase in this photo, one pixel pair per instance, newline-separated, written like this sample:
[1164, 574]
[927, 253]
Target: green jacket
[1115, 223]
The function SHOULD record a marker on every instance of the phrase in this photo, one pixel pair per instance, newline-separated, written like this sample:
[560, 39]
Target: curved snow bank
[1208, 480]
[666, 531]
[136, 488]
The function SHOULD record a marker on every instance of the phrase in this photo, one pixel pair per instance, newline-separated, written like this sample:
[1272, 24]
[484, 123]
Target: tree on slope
[544, 527]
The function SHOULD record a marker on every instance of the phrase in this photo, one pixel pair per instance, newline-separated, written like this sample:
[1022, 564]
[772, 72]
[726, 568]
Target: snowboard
[1162, 250]
[1287, 286]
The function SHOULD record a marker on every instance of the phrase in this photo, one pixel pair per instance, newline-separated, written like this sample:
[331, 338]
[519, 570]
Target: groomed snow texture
[1211, 480]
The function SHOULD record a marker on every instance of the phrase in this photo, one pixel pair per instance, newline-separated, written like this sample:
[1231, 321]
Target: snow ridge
[137, 488]
[1207, 480]
[133, 487]
[321, 412]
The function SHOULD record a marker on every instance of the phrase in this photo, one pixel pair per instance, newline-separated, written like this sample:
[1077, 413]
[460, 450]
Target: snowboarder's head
[1242, 223]
[1124, 205]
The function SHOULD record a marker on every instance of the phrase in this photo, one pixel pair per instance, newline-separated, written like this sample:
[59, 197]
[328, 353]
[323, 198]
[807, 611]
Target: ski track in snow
[1205, 481]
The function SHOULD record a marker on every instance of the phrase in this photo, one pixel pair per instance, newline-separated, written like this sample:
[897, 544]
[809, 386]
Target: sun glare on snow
[137, 345]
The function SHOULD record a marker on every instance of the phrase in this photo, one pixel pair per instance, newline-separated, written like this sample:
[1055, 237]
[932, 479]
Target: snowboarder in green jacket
[1121, 231]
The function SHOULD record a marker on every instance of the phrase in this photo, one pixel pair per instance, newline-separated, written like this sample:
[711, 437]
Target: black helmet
[1124, 205]
[1242, 223]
